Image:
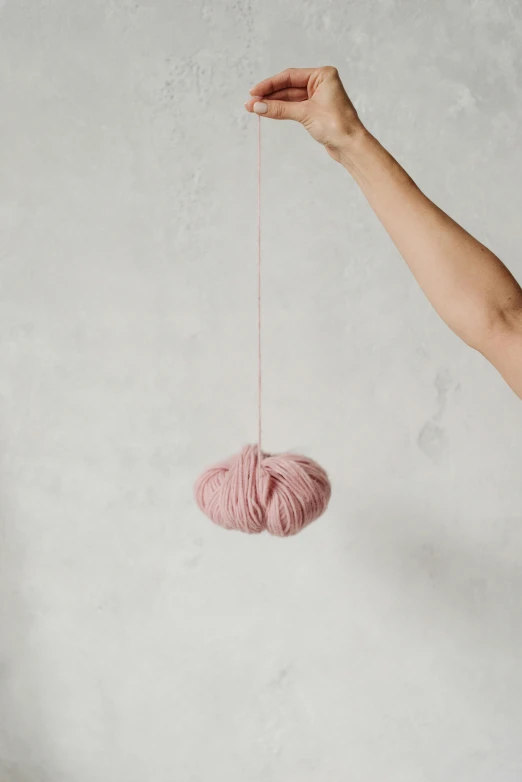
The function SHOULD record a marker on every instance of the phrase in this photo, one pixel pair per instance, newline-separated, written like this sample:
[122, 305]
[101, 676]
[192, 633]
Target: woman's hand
[316, 98]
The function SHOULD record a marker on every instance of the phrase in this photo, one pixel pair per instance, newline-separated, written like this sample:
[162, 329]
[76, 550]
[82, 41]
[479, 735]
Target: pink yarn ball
[280, 493]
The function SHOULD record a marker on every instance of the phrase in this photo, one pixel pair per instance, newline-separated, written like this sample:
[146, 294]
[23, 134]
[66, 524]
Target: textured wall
[138, 641]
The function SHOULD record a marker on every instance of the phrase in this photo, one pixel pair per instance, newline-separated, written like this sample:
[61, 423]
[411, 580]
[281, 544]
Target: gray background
[138, 641]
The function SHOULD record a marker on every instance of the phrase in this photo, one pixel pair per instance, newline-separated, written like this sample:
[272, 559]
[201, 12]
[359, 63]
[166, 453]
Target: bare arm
[469, 287]
[466, 283]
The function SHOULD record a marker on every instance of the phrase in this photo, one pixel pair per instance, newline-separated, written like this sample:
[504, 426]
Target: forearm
[466, 283]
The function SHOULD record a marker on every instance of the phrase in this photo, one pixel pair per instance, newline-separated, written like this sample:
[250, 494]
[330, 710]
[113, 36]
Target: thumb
[280, 109]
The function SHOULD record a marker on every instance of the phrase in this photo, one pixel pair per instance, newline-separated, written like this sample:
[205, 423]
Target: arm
[466, 283]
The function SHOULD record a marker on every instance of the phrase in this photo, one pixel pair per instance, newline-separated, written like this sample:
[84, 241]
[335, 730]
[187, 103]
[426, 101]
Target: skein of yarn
[255, 491]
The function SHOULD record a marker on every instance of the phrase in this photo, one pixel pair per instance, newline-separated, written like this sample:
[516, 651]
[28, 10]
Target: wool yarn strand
[259, 366]
[255, 491]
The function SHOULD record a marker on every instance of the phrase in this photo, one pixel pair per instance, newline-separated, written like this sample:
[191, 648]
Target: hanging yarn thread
[255, 491]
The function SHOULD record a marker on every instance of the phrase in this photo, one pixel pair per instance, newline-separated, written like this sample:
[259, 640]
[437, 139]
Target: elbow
[493, 326]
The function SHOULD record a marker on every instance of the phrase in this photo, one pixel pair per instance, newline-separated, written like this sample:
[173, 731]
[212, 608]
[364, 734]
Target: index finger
[292, 77]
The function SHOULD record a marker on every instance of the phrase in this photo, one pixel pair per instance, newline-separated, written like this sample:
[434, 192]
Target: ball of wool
[254, 491]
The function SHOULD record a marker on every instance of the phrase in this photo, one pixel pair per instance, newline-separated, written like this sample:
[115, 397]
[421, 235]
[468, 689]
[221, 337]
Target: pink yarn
[280, 493]
[253, 490]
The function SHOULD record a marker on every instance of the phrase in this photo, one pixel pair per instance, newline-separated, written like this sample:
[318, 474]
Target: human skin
[469, 287]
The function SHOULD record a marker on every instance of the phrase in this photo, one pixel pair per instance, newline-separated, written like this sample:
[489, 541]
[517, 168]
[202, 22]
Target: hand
[316, 98]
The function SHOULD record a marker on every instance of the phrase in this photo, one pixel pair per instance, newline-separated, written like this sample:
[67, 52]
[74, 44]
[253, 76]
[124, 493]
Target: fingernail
[260, 108]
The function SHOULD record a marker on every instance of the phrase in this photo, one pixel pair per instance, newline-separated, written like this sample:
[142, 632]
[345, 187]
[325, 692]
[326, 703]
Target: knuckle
[330, 70]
